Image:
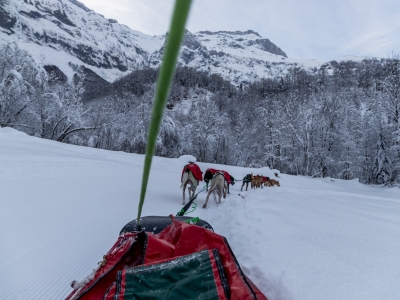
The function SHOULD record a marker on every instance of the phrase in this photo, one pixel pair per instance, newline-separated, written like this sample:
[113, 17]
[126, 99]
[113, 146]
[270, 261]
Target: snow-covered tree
[382, 166]
[391, 101]
[206, 130]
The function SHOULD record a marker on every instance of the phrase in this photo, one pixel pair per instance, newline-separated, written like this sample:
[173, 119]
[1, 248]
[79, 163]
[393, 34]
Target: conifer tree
[382, 163]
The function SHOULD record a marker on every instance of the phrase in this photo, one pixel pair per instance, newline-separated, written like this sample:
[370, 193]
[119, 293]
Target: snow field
[62, 208]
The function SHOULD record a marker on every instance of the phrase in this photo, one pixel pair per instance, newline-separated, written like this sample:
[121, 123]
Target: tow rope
[193, 208]
[184, 209]
[174, 40]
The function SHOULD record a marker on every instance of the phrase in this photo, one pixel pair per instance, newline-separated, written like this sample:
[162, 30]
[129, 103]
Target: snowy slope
[57, 32]
[62, 207]
[246, 56]
[66, 33]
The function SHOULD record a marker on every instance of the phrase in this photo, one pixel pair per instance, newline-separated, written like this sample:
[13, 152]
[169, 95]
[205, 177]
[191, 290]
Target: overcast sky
[323, 29]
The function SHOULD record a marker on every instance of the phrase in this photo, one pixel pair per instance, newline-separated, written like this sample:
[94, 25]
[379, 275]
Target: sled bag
[195, 276]
[183, 261]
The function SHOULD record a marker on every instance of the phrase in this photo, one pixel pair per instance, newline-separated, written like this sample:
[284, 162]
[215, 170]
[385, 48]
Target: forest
[341, 120]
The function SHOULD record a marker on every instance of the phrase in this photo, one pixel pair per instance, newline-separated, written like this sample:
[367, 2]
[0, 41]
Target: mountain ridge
[64, 32]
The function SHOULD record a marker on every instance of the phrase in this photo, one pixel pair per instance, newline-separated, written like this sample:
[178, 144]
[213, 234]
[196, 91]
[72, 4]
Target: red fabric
[226, 174]
[256, 290]
[181, 239]
[110, 294]
[220, 288]
[195, 169]
[213, 171]
[105, 275]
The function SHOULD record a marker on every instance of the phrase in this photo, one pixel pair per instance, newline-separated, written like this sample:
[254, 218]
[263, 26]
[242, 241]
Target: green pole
[174, 39]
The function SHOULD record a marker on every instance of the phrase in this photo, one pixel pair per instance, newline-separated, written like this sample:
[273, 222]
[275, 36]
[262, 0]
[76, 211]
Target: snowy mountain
[65, 33]
[238, 56]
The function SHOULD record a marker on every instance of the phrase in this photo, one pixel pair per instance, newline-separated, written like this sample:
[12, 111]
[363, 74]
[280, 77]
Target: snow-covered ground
[62, 207]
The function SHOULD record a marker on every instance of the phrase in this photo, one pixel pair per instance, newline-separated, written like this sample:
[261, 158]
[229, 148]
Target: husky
[217, 183]
[274, 182]
[246, 180]
[188, 179]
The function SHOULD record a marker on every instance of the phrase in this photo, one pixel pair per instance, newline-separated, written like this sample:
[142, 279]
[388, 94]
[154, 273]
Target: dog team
[218, 181]
[258, 181]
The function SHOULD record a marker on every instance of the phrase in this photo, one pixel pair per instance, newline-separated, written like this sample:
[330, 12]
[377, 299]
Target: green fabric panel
[186, 277]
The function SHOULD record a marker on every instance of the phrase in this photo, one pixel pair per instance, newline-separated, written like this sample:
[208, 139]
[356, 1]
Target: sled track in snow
[63, 206]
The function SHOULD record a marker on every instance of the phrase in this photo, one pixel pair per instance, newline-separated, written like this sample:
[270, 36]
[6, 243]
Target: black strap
[186, 207]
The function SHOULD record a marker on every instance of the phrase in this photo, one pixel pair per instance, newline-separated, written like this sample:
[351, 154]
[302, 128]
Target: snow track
[63, 206]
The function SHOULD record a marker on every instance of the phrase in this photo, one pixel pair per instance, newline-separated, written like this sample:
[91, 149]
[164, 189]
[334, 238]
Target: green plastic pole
[174, 39]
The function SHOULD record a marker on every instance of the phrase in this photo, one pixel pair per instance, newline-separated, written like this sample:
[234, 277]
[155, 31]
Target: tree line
[341, 120]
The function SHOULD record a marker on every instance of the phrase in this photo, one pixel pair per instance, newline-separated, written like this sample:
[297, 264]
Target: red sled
[182, 261]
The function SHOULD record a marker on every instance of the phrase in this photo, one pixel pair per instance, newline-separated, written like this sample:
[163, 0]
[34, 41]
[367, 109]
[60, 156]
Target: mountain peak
[240, 40]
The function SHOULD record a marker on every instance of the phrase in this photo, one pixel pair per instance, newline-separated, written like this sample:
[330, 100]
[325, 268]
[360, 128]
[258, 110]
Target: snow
[247, 59]
[184, 159]
[49, 56]
[86, 29]
[62, 207]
